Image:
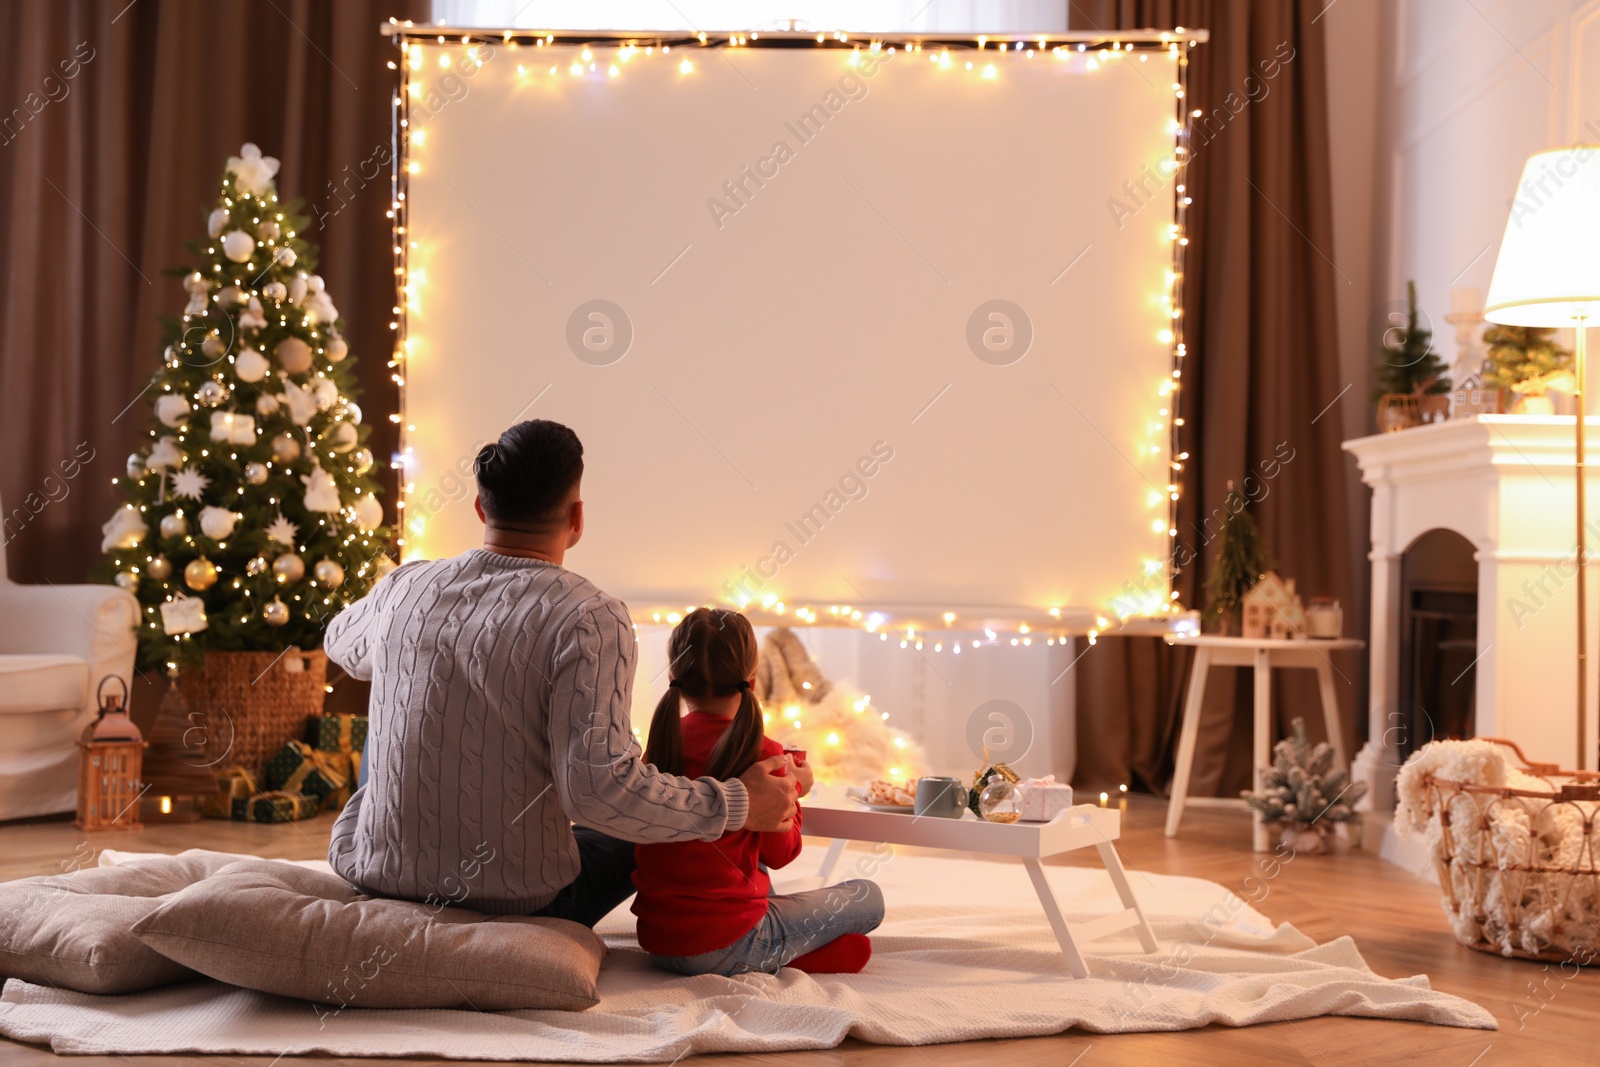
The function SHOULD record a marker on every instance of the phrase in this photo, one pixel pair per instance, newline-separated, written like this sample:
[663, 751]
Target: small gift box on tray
[1043, 798]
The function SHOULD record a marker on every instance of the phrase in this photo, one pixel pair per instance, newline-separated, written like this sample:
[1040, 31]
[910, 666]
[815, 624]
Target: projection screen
[836, 326]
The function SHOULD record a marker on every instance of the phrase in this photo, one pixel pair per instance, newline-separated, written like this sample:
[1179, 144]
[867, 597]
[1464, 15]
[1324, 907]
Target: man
[501, 687]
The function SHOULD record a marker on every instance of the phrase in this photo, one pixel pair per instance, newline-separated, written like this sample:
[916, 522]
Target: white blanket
[964, 954]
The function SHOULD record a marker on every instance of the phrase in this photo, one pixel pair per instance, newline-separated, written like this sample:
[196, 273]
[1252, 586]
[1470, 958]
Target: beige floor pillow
[74, 930]
[303, 933]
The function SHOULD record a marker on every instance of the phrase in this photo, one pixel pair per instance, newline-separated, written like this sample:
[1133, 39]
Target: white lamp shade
[1548, 272]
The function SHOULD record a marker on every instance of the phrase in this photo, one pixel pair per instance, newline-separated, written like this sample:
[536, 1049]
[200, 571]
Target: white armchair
[56, 643]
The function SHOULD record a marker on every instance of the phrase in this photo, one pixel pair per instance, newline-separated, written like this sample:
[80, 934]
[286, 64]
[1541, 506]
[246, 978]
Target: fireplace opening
[1439, 640]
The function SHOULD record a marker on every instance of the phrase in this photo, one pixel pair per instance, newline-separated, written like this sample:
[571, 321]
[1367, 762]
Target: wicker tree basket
[1494, 864]
[255, 702]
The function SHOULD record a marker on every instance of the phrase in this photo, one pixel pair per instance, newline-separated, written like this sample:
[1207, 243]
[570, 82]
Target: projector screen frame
[1150, 608]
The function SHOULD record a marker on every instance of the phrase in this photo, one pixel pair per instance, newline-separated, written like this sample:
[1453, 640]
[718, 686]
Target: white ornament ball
[285, 449]
[276, 613]
[353, 411]
[160, 568]
[251, 366]
[289, 567]
[275, 291]
[230, 296]
[238, 245]
[329, 573]
[363, 460]
[337, 350]
[255, 473]
[136, 466]
[298, 285]
[171, 409]
[216, 221]
[266, 405]
[255, 565]
[174, 525]
[218, 523]
[325, 392]
[269, 230]
[211, 393]
[369, 513]
[285, 256]
[341, 437]
[126, 580]
[294, 355]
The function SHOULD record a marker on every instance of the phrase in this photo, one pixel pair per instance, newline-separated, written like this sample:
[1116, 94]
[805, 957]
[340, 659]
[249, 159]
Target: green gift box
[276, 807]
[299, 769]
[338, 733]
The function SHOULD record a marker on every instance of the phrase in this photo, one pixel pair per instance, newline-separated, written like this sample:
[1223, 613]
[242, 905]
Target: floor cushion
[73, 930]
[304, 933]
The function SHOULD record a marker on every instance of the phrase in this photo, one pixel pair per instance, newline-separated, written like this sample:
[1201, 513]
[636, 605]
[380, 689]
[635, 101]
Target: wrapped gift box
[1043, 798]
[338, 733]
[276, 807]
[300, 769]
[236, 785]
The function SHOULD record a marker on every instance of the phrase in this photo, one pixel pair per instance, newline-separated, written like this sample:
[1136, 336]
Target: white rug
[964, 954]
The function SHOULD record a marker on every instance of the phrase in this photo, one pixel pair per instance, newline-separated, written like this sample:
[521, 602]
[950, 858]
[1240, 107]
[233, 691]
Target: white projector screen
[760, 284]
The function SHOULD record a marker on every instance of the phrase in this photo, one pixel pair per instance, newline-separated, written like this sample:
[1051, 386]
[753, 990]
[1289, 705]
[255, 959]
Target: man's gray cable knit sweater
[501, 689]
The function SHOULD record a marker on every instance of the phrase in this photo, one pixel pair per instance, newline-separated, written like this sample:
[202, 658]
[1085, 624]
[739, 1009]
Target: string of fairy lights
[558, 55]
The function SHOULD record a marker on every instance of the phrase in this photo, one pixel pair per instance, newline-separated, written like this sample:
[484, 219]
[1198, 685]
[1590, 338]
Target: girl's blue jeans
[793, 926]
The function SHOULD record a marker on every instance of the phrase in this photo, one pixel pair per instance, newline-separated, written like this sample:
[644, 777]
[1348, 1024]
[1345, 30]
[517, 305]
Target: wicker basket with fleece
[254, 703]
[1515, 847]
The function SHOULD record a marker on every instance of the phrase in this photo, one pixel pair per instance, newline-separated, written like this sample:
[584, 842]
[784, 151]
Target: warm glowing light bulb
[685, 67]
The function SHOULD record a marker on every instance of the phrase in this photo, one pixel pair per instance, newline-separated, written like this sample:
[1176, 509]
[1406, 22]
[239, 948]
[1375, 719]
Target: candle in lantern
[1103, 798]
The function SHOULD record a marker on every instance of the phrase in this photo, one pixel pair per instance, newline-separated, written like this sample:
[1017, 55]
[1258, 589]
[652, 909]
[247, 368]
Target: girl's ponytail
[740, 745]
[665, 748]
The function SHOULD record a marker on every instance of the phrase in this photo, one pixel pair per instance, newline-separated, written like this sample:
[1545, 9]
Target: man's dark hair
[524, 478]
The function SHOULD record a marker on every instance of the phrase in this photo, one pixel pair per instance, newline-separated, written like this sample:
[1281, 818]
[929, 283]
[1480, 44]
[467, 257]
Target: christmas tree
[250, 517]
[1407, 362]
[1527, 359]
[1241, 561]
[1302, 789]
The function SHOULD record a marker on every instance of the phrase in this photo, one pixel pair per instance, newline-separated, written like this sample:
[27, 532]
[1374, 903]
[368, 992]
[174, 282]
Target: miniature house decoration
[1271, 609]
[1470, 396]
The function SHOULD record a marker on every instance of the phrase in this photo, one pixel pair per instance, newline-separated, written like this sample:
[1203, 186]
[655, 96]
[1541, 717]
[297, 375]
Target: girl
[704, 906]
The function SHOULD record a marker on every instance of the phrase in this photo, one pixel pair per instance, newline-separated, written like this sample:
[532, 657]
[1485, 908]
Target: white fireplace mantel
[1505, 483]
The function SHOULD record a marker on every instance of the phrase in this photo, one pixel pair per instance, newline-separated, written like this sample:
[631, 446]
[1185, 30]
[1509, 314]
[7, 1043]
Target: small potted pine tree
[1409, 382]
[1240, 563]
[1302, 793]
[1527, 361]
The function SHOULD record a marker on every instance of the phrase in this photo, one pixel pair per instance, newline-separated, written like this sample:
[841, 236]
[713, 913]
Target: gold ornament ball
[200, 574]
[285, 449]
[174, 525]
[329, 573]
[266, 405]
[255, 566]
[385, 565]
[255, 473]
[211, 393]
[289, 567]
[160, 568]
[362, 457]
[127, 580]
[275, 613]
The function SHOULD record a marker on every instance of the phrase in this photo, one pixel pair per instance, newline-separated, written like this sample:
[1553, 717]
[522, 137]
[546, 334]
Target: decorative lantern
[176, 769]
[109, 757]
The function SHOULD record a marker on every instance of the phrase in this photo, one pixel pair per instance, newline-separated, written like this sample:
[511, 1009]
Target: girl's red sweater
[699, 896]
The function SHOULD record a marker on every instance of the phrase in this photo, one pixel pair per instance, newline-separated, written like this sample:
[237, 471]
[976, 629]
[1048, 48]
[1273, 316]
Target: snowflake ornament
[190, 483]
[282, 531]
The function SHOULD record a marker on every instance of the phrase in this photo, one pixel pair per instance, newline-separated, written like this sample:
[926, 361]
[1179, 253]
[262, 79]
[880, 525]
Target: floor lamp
[1548, 274]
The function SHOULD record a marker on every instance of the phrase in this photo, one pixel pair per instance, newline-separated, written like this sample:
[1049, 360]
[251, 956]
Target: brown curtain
[121, 118]
[1262, 369]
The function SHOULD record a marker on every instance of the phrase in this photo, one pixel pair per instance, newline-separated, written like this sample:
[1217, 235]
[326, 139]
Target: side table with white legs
[1261, 654]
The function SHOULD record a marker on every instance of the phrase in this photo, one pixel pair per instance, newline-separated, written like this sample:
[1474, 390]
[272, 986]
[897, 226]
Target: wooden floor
[1546, 1017]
